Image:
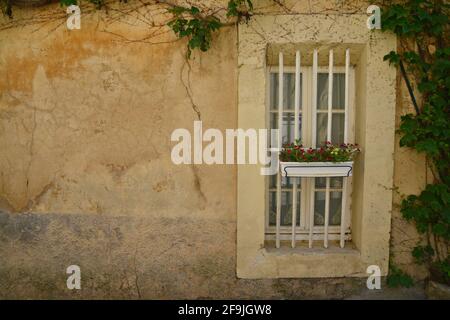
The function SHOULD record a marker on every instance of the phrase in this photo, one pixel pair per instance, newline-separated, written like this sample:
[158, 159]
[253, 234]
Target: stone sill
[317, 249]
[304, 262]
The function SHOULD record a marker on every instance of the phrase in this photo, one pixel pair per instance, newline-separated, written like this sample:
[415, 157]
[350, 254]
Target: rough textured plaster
[96, 138]
[139, 257]
[410, 177]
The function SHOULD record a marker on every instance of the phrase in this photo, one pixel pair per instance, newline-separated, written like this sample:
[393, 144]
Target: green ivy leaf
[68, 3]
[423, 254]
[392, 57]
[440, 229]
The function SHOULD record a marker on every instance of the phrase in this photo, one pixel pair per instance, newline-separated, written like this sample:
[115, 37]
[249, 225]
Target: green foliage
[423, 254]
[430, 210]
[429, 131]
[444, 266]
[423, 29]
[415, 17]
[67, 3]
[240, 9]
[189, 23]
[5, 6]
[398, 278]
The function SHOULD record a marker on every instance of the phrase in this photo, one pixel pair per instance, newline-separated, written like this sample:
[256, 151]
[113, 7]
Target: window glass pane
[338, 119]
[273, 181]
[336, 182]
[322, 91]
[285, 182]
[288, 136]
[289, 91]
[321, 183]
[272, 207]
[288, 88]
[339, 91]
[273, 91]
[322, 124]
[337, 128]
[288, 126]
[286, 208]
[319, 208]
[335, 208]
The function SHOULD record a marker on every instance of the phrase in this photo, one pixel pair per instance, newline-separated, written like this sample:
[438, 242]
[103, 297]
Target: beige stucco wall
[85, 170]
[410, 177]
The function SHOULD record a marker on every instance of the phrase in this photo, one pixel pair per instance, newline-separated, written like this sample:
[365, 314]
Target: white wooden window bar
[306, 229]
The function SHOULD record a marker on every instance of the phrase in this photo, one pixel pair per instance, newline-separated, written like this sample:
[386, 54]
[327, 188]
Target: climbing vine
[198, 29]
[423, 58]
[187, 22]
[6, 5]
[190, 23]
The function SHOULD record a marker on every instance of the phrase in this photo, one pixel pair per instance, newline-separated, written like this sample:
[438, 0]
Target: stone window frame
[374, 130]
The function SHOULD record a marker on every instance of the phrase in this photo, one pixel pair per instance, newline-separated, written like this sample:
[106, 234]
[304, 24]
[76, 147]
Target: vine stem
[408, 85]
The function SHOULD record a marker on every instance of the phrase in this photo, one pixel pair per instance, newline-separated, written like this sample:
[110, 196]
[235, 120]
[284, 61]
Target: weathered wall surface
[85, 170]
[410, 177]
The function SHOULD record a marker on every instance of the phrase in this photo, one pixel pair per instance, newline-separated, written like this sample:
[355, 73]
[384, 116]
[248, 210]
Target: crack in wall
[187, 86]
[197, 183]
[37, 198]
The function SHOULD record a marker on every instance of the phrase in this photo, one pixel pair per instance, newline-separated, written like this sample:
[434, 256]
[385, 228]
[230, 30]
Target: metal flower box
[316, 169]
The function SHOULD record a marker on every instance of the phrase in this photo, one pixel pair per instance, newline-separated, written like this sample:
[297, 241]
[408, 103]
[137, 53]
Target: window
[309, 194]
[371, 94]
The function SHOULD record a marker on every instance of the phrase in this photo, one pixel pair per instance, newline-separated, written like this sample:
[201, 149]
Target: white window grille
[316, 104]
